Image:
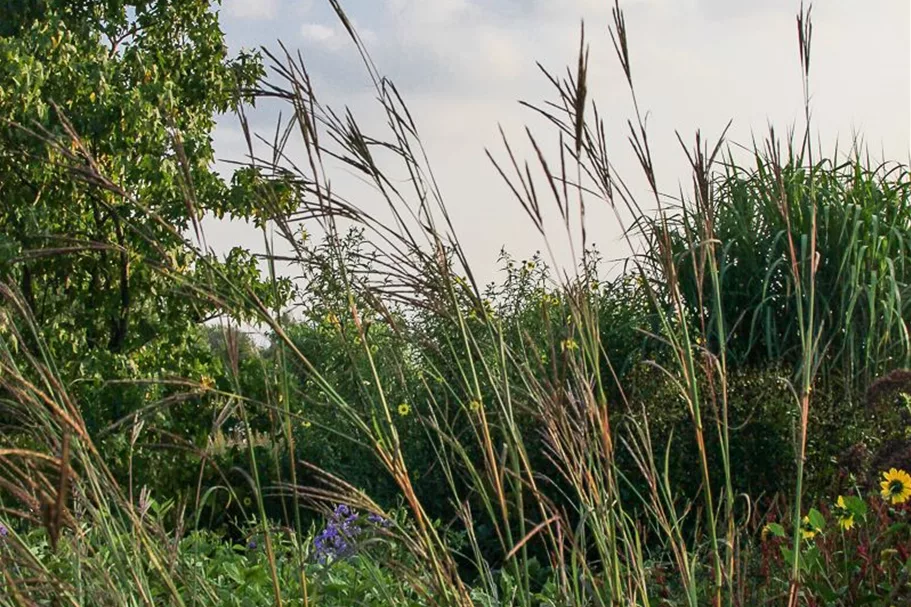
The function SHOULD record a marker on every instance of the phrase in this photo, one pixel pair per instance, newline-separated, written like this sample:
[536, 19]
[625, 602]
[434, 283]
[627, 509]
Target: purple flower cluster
[338, 539]
[3, 530]
[378, 520]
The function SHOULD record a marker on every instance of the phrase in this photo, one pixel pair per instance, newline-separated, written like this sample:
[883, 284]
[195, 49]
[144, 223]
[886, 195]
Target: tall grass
[774, 260]
[61, 481]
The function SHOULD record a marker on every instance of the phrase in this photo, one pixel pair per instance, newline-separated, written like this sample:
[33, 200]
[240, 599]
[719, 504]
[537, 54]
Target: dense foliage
[129, 90]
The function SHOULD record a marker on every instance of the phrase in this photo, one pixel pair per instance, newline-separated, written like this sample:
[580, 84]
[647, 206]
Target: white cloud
[317, 32]
[435, 12]
[334, 38]
[251, 9]
[501, 52]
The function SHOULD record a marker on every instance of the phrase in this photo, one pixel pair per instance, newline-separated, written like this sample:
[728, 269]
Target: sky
[462, 66]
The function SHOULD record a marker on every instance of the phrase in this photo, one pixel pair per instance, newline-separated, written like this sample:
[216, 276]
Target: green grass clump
[859, 219]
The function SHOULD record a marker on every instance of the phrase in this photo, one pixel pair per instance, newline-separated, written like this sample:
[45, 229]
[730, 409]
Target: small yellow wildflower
[896, 486]
[333, 320]
[306, 423]
[845, 517]
[569, 344]
[207, 382]
[474, 405]
[404, 409]
[807, 530]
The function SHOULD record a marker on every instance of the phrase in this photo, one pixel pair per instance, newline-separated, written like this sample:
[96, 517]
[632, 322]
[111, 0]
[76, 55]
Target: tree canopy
[133, 89]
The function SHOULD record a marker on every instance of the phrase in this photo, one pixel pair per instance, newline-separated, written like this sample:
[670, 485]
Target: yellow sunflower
[807, 529]
[896, 486]
[404, 409]
[845, 516]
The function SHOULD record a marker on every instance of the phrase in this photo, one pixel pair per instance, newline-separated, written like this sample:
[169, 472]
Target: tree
[106, 275]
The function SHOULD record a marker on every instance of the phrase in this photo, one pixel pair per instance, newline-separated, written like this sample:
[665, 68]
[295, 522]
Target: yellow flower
[896, 486]
[306, 424]
[845, 517]
[474, 405]
[404, 409]
[207, 382]
[332, 319]
[807, 530]
[569, 344]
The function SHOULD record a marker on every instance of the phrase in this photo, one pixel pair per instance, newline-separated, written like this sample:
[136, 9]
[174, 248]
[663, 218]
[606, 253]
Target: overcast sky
[462, 66]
